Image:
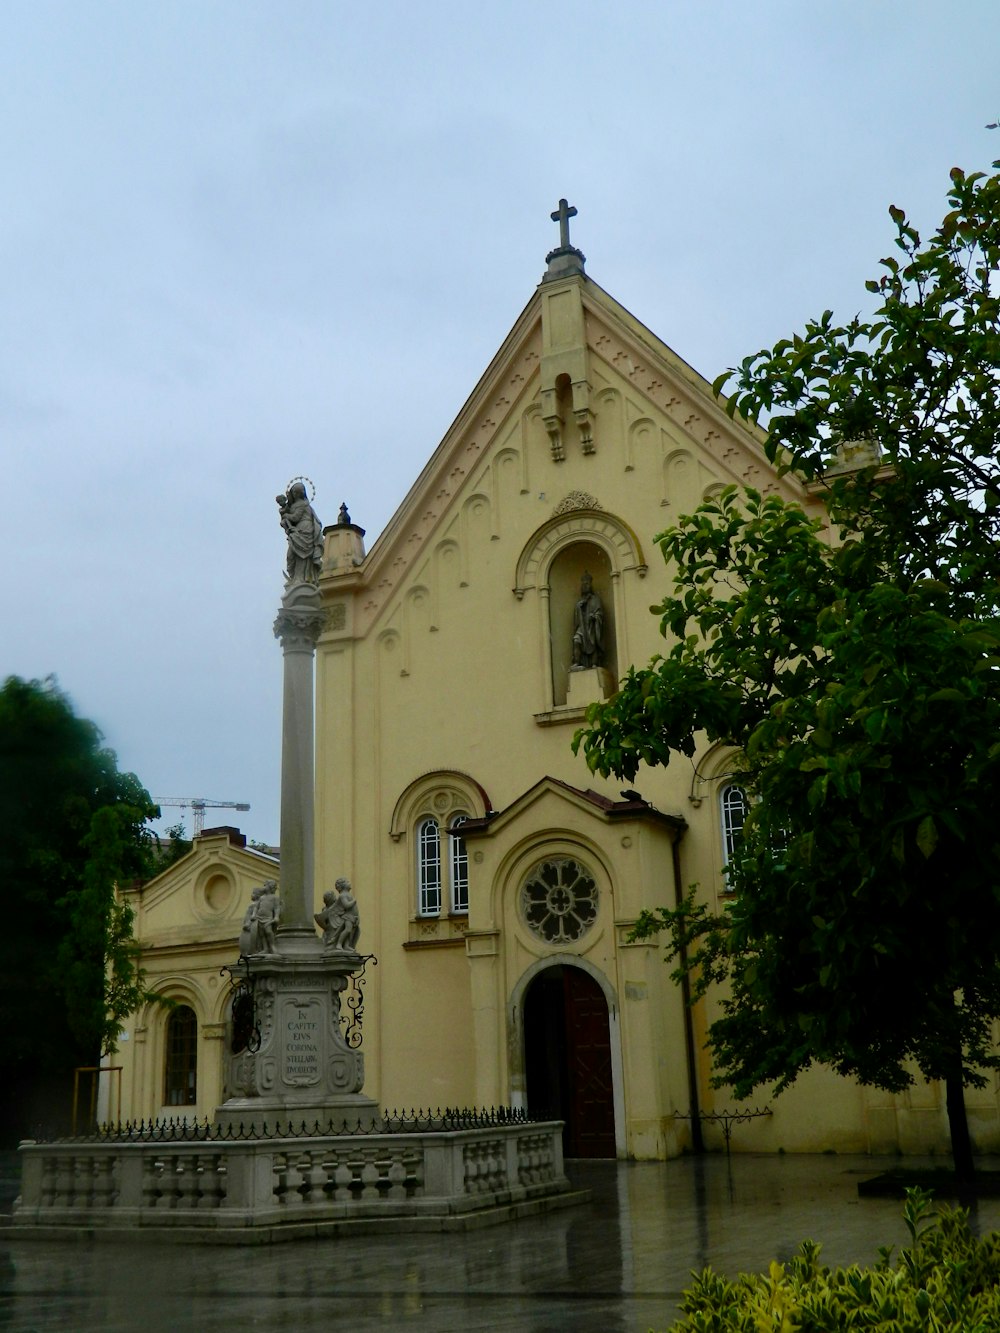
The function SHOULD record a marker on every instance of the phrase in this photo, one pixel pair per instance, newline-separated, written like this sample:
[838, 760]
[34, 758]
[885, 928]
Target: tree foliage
[74, 828]
[855, 673]
[178, 846]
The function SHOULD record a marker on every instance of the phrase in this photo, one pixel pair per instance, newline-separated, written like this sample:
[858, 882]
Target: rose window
[559, 900]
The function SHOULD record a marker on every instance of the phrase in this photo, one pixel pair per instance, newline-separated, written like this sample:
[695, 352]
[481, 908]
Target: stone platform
[205, 1183]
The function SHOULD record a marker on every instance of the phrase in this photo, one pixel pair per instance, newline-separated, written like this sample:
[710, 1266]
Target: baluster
[396, 1179]
[369, 1177]
[343, 1178]
[212, 1181]
[293, 1184]
[318, 1178]
[50, 1178]
[152, 1182]
[63, 1196]
[104, 1191]
[186, 1180]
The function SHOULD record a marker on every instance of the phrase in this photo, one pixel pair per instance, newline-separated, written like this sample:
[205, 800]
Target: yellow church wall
[427, 1056]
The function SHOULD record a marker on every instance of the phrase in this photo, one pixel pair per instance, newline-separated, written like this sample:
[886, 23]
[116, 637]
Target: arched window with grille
[181, 1064]
[735, 806]
[429, 814]
[428, 868]
[458, 858]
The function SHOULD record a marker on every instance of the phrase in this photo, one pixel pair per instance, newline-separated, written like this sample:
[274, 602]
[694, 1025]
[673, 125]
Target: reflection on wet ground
[618, 1263]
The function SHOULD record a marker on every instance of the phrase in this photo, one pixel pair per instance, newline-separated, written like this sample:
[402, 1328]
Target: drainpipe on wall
[697, 1141]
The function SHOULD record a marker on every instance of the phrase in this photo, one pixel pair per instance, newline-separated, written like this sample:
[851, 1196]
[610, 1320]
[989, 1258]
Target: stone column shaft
[297, 788]
[298, 626]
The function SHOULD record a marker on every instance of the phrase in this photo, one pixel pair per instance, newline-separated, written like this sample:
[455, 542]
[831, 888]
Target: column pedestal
[304, 1069]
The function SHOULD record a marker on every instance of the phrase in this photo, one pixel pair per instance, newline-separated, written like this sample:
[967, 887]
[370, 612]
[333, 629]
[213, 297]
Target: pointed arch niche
[552, 565]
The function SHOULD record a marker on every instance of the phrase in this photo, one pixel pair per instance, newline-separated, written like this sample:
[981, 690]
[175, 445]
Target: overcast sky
[248, 240]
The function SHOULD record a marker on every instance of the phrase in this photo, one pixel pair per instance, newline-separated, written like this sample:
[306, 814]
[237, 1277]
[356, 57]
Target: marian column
[290, 1063]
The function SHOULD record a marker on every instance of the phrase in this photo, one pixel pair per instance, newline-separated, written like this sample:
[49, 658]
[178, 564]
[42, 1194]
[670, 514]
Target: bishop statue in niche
[588, 628]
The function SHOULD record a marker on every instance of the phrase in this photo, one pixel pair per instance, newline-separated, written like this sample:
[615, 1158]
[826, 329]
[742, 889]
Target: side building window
[439, 864]
[181, 1071]
[735, 806]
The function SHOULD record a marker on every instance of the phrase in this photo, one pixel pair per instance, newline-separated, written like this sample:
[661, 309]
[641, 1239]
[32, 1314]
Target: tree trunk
[958, 1125]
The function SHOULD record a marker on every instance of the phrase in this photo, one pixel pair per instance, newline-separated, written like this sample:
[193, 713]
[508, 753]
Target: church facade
[497, 880]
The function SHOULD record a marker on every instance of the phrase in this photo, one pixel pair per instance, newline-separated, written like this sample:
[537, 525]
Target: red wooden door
[590, 1118]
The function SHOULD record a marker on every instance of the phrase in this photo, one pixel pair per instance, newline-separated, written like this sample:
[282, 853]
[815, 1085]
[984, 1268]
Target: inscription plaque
[303, 1043]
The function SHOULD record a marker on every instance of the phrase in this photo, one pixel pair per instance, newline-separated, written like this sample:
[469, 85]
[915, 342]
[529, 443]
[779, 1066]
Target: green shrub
[945, 1280]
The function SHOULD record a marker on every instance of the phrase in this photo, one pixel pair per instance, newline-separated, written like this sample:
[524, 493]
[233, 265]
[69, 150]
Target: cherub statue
[339, 918]
[267, 916]
[248, 930]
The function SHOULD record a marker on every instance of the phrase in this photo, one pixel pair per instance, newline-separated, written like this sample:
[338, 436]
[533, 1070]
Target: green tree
[98, 959]
[858, 682]
[74, 828]
[177, 847]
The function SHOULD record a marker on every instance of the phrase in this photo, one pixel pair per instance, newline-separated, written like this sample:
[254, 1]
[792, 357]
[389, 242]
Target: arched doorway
[567, 1058]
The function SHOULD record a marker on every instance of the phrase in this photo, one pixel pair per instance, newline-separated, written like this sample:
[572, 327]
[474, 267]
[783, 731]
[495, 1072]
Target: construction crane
[198, 806]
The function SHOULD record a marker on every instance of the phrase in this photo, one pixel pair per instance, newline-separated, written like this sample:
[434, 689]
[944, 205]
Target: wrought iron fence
[388, 1122]
[727, 1119]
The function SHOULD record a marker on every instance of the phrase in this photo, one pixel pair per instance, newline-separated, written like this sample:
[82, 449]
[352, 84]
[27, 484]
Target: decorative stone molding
[437, 792]
[576, 500]
[579, 525]
[299, 628]
[559, 900]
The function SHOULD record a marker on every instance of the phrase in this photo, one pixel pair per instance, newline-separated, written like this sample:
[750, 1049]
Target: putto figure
[339, 919]
[248, 931]
[588, 628]
[267, 916]
[305, 535]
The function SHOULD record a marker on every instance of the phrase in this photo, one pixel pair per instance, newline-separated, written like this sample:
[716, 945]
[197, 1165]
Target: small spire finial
[565, 258]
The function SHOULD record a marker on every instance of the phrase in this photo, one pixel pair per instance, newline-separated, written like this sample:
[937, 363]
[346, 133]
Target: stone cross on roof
[565, 259]
[562, 215]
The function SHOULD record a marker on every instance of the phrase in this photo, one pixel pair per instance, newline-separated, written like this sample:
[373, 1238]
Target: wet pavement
[618, 1263]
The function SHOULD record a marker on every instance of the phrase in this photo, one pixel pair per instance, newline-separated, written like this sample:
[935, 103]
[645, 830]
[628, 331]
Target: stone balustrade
[281, 1182]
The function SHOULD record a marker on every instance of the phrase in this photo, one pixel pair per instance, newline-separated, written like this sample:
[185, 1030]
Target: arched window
[459, 866]
[181, 1069]
[428, 868]
[429, 814]
[735, 806]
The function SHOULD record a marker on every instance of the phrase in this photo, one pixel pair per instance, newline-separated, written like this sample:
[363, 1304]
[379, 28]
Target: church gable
[202, 897]
[580, 402]
[515, 570]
